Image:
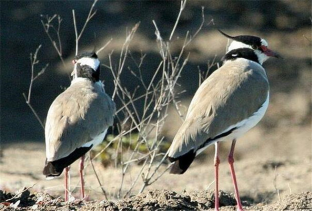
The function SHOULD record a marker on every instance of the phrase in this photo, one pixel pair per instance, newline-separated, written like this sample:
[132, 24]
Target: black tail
[182, 163]
[55, 168]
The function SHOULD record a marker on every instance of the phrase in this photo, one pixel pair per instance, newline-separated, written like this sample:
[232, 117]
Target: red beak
[269, 52]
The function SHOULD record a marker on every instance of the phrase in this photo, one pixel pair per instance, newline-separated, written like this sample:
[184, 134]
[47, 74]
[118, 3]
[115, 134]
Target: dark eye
[254, 46]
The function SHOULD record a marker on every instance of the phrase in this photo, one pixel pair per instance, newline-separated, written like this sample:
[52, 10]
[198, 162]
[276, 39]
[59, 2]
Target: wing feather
[229, 95]
[75, 117]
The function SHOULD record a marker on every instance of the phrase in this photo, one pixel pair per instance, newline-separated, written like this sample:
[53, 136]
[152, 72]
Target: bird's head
[258, 45]
[87, 65]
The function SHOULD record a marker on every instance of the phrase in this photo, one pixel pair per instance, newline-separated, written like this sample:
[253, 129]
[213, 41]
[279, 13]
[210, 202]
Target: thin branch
[20, 192]
[200, 26]
[97, 177]
[90, 16]
[123, 56]
[183, 3]
[46, 26]
[103, 47]
[158, 95]
[34, 112]
[171, 71]
[78, 35]
[136, 179]
[161, 174]
[34, 61]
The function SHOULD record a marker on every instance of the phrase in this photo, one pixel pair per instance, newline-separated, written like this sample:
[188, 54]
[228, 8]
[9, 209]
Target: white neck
[78, 79]
[261, 56]
[81, 79]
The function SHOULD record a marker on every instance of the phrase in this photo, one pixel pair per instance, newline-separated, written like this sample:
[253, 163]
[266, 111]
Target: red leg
[66, 184]
[216, 164]
[82, 192]
[231, 162]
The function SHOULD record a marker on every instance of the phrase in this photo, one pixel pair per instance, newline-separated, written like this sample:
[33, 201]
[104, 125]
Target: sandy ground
[269, 168]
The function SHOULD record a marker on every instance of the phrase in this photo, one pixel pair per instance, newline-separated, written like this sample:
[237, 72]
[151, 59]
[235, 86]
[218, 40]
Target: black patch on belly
[207, 142]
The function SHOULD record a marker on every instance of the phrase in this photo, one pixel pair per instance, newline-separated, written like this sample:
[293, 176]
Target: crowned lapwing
[227, 104]
[77, 120]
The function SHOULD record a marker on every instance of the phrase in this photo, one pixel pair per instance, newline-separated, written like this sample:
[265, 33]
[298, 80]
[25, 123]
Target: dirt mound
[293, 202]
[170, 200]
[153, 200]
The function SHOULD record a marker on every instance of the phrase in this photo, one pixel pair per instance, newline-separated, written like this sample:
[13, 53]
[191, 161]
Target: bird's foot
[239, 207]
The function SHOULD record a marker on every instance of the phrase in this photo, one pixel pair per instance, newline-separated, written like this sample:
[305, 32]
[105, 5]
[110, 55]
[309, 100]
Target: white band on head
[92, 62]
[237, 45]
[264, 42]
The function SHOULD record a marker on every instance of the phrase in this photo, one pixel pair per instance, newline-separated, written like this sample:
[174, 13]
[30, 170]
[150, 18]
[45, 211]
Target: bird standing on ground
[77, 120]
[231, 101]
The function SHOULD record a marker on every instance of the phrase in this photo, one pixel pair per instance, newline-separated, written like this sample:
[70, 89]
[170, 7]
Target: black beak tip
[278, 56]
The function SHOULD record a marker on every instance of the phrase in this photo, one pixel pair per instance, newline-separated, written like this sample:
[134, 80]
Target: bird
[77, 120]
[231, 101]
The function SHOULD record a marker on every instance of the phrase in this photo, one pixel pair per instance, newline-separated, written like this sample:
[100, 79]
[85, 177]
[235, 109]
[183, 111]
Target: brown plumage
[228, 104]
[229, 95]
[76, 117]
[77, 120]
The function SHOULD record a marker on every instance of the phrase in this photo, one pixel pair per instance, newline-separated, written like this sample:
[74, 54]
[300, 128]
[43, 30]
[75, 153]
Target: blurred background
[286, 25]
[285, 131]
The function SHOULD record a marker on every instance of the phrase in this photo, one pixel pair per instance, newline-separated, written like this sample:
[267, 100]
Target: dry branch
[34, 61]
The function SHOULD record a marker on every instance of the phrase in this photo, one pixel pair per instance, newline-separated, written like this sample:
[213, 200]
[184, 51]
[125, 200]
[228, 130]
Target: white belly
[243, 126]
[247, 124]
[96, 140]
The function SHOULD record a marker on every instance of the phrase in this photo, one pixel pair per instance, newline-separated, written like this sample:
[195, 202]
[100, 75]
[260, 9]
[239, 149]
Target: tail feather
[52, 169]
[55, 168]
[182, 163]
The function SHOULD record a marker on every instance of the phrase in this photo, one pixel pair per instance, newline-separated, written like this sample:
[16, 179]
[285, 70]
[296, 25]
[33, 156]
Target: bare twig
[103, 47]
[20, 192]
[90, 16]
[97, 178]
[78, 35]
[308, 39]
[183, 3]
[47, 25]
[34, 61]
[158, 95]
[275, 184]
[171, 70]
[122, 58]
[210, 65]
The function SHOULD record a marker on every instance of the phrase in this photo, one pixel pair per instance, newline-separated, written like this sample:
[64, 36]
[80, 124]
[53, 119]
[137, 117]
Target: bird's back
[237, 89]
[77, 116]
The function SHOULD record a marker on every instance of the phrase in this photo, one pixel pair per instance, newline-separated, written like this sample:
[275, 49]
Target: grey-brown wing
[75, 117]
[228, 96]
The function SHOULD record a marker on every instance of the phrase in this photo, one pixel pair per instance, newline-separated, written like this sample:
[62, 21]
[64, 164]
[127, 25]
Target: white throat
[261, 56]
